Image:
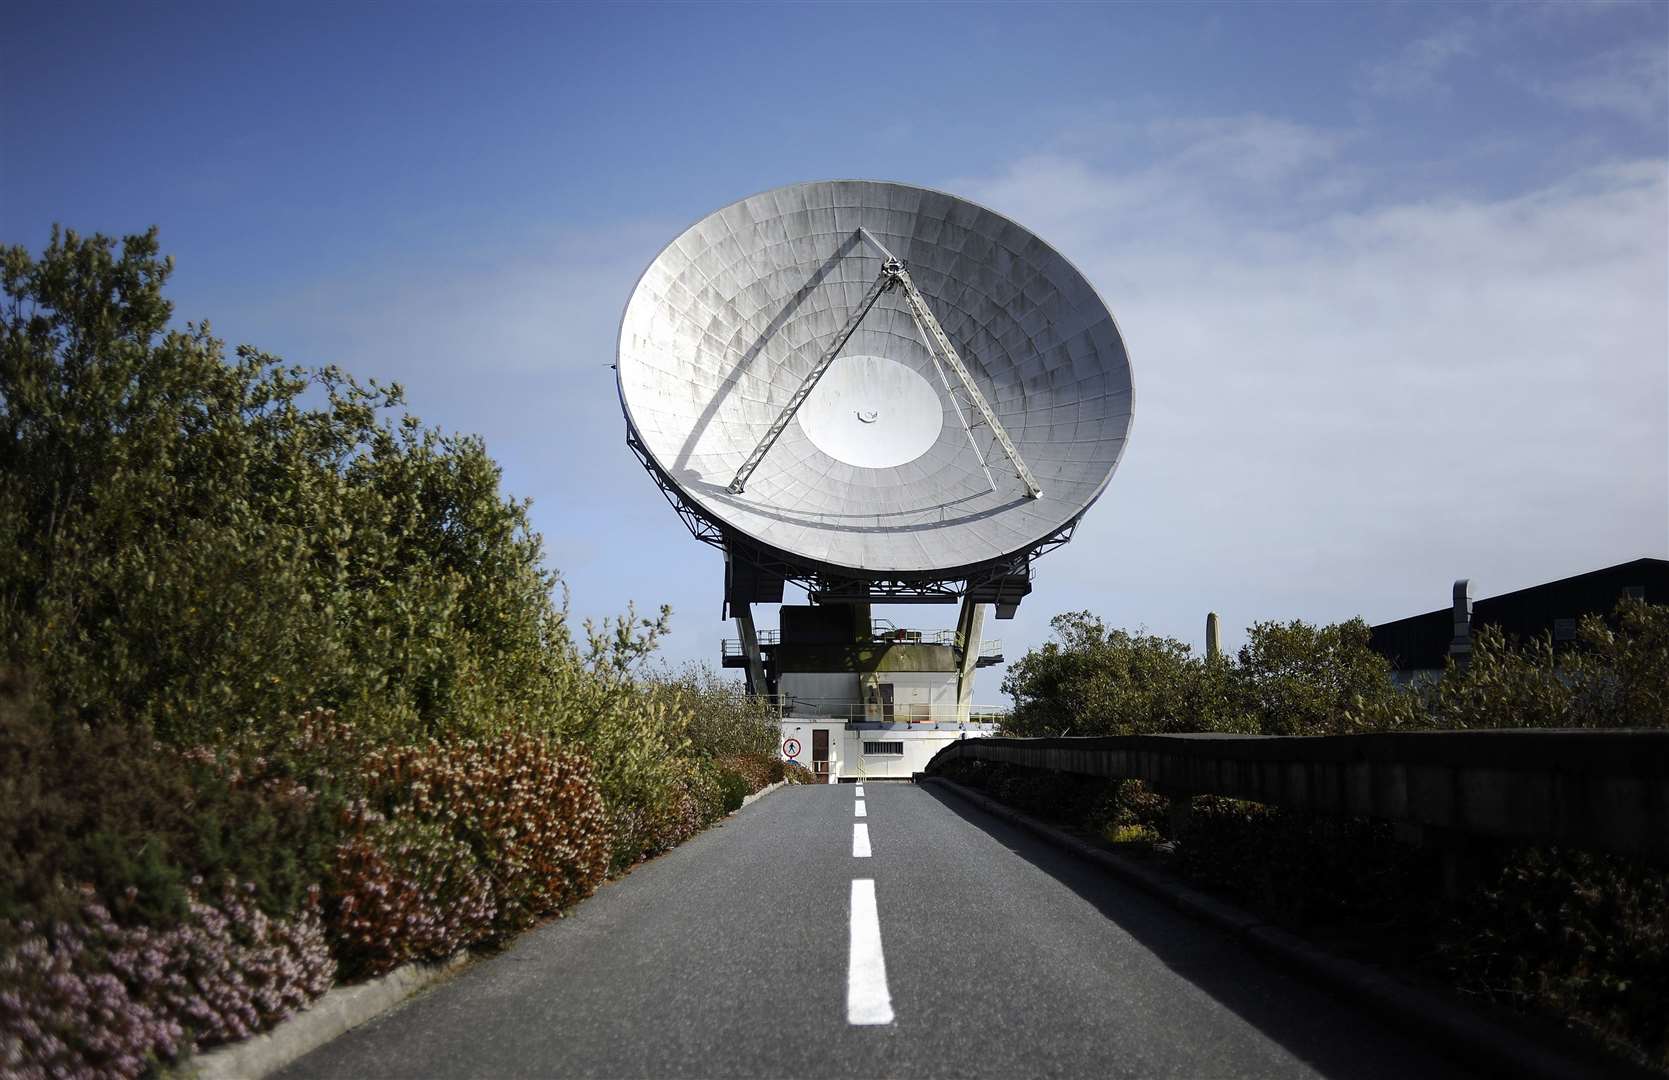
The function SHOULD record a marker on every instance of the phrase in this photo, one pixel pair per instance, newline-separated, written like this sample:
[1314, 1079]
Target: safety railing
[883, 633]
[1605, 790]
[897, 713]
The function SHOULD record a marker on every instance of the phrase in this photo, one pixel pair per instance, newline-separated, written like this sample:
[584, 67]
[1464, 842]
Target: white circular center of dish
[872, 412]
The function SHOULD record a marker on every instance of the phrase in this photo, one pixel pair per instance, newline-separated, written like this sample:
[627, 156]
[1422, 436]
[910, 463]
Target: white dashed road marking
[859, 811]
[867, 999]
[860, 791]
[860, 841]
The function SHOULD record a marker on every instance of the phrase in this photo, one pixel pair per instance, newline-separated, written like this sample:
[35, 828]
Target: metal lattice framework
[828, 584]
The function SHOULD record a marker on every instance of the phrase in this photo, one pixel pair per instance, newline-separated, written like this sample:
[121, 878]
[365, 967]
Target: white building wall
[918, 695]
[800, 731]
[849, 759]
[918, 745]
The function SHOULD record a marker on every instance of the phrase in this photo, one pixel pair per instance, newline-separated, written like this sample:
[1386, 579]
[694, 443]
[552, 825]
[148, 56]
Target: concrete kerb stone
[760, 794]
[1494, 1045]
[337, 1012]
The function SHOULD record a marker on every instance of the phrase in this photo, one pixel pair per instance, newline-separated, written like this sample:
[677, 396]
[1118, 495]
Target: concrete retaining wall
[1606, 790]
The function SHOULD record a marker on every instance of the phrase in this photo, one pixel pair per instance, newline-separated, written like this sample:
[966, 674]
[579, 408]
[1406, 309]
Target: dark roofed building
[1421, 643]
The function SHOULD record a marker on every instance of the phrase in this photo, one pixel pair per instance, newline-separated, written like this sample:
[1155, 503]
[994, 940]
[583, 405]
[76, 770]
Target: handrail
[987, 647]
[1606, 790]
[898, 713]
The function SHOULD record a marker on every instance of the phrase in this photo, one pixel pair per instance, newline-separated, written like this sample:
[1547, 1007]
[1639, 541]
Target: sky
[1394, 279]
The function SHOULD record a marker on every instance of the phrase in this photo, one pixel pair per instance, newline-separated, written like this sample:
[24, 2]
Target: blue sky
[1393, 277]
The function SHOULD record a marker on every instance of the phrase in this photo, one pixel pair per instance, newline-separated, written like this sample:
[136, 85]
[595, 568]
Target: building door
[820, 754]
[886, 702]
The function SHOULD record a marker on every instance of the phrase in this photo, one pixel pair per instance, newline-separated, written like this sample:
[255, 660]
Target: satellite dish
[862, 381]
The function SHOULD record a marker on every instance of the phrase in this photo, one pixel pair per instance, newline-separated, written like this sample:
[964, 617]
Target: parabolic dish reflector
[886, 465]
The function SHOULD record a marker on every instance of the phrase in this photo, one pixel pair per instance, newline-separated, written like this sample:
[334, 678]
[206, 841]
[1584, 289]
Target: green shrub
[1578, 935]
[1298, 679]
[755, 770]
[111, 808]
[187, 544]
[1616, 676]
[721, 719]
[1091, 680]
[401, 889]
[527, 813]
[733, 790]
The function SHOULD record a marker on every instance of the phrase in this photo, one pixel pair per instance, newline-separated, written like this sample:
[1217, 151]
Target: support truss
[893, 275]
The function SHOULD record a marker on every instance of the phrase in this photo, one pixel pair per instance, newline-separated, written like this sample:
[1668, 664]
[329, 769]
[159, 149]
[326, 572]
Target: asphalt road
[732, 956]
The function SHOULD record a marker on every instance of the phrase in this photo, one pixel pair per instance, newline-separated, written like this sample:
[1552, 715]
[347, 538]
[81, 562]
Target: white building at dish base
[861, 699]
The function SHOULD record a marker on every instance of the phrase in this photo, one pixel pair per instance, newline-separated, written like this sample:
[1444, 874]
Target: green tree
[1616, 675]
[721, 718]
[1296, 678]
[200, 543]
[1091, 680]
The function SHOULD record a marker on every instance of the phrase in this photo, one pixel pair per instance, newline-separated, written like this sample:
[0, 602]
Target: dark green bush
[755, 769]
[186, 543]
[733, 790]
[1091, 680]
[1577, 935]
[1616, 676]
[111, 808]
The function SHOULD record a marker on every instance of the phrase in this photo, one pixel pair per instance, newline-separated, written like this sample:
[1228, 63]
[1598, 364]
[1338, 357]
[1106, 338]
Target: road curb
[340, 1010]
[1505, 1045]
[760, 794]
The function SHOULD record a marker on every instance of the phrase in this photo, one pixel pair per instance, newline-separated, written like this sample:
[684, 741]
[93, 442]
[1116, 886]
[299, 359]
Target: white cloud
[1632, 81]
[1339, 412]
[1420, 68]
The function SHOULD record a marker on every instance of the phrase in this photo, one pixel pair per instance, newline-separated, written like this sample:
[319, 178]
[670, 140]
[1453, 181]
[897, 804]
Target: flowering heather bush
[644, 829]
[63, 1014]
[528, 811]
[795, 773]
[403, 889]
[698, 802]
[758, 770]
[89, 997]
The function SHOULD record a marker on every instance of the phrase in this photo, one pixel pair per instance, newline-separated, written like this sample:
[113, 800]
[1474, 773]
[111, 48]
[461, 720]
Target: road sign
[790, 748]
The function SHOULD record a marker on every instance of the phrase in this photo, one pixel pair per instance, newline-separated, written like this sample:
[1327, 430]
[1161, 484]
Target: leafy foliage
[1616, 676]
[282, 634]
[722, 720]
[189, 543]
[111, 808]
[87, 996]
[527, 812]
[1091, 680]
[1581, 935]
[795, 773]
[1294, 678]
[403, 889]
[1299, 679]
